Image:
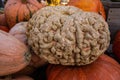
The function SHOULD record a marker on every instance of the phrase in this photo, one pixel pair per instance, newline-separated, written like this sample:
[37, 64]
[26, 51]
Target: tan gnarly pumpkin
[14, 55]
[19, 32]
[20, 10]
[104, 68]
[89, 5]
[67, 35]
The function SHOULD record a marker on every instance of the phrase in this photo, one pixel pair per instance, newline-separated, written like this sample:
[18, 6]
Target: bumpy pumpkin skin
[101, 69]
[89, 5]
[14, 55]
[19, 32]
[20, 10]
[67, 35]
[116, 45]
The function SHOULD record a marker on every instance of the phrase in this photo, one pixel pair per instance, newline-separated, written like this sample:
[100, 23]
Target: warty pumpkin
[104, 68]
[89, 5]
[116, 45]
[14, 55]
[67, 35]
[20, 10]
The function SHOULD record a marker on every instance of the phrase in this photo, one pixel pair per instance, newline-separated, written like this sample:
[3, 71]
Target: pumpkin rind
[14, 55]
[89, 5]
[67, 35]
[99, 70]
[19, 32]
[17, 11]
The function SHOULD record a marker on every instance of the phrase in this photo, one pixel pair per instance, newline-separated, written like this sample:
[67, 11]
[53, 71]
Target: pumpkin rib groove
[30, 13]
[17, 18]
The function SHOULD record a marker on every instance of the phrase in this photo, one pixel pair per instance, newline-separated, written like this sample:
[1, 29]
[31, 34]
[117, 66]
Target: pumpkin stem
[64, 2]
[24, 1]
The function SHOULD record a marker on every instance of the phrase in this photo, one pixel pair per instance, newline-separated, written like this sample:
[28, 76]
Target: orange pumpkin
[89, 5]
[20, 10]
[14, 55]
[104, 68]
[4, 28]
[116, 45]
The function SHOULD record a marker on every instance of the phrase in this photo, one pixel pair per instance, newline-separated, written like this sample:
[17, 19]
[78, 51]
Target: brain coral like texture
[67, 35]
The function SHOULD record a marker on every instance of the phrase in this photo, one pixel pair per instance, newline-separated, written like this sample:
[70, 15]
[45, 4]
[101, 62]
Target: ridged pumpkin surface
[104, 68]
[14, 55]
[20, 10]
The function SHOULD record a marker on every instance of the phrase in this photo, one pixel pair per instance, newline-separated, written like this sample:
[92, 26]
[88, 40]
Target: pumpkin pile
[66, 35]
[56, 42]
[16, 57]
